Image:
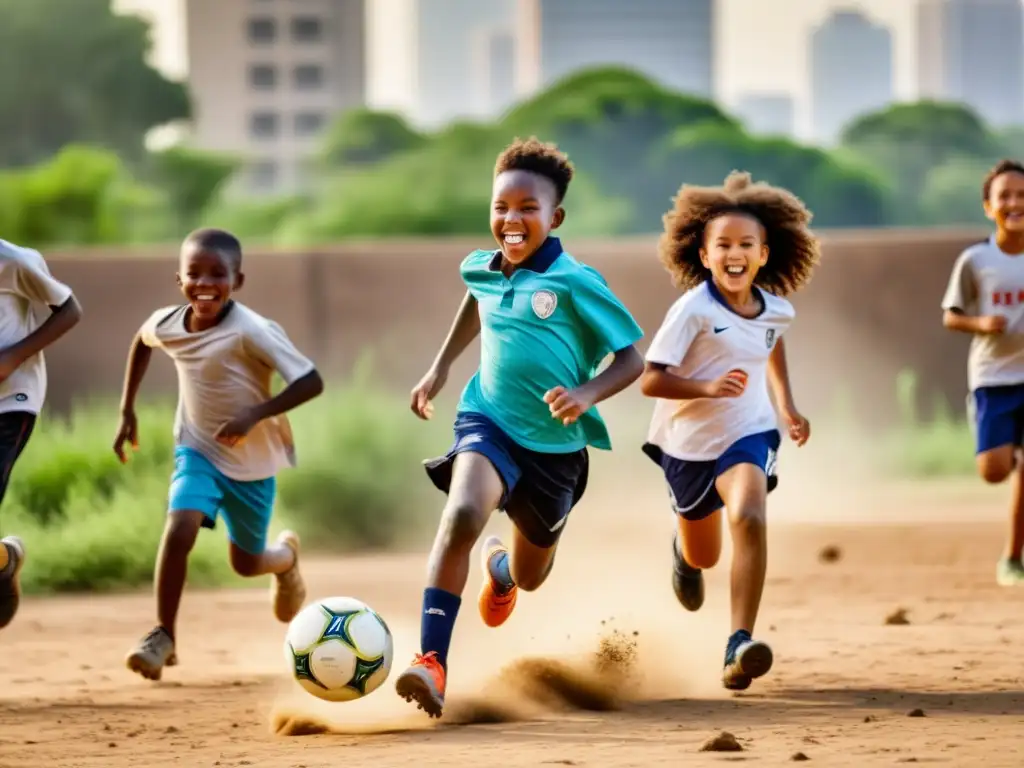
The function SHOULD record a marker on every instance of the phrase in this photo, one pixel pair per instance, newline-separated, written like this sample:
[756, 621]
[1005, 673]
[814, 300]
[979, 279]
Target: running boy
[527, 416]
[985, 298]
[735, 251]
[232, 437]
[35, 311]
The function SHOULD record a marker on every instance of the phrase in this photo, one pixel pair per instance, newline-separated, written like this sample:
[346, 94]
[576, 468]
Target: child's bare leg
[288, 590]
[528, 564]
[156, 649]
[1017, 516]
[696, 547]
[744, 490]
[994, 466]
[473, 494]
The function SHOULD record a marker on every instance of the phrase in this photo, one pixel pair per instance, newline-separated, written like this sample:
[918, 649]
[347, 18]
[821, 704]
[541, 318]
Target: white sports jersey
[702, 338]
[27, 293]
[986, 281]
[221, 371]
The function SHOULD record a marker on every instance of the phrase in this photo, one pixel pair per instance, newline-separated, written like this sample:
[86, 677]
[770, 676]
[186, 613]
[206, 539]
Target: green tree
[952, 193]
[907, 141]
[191, 179]
[73, 71]
[364, 137]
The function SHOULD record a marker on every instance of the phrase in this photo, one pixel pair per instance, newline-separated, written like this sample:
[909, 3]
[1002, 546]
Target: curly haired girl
[736, 251]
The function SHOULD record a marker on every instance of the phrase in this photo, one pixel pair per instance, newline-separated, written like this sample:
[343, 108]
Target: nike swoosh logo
[719, 330]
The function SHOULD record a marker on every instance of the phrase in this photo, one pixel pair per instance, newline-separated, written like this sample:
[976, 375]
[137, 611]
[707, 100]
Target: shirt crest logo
[769, 338]
[544, 303]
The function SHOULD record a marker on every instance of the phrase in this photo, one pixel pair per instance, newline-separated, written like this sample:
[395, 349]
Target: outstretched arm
[464, 329]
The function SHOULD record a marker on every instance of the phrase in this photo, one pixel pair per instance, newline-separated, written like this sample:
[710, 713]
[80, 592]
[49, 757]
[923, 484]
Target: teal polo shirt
[550, 324]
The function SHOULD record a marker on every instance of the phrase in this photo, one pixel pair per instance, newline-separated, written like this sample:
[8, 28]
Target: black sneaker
[687, 581]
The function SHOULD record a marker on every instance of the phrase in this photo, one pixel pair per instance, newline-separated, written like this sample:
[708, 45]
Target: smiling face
[734, 250]
[1005, 203]
[524, 210]
[207, 279]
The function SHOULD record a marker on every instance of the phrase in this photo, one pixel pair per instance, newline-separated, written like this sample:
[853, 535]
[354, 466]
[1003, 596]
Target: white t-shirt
[986, 281]
[702, 338]
[222, 371]
[27, 293]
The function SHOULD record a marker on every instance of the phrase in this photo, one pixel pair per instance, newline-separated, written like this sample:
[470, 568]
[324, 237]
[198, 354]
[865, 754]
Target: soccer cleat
[424, 683]
[154, 652]
[750, 659]
[288, 590]
[1009, 573]
[495, 603]
[687, 581]
[10, 588]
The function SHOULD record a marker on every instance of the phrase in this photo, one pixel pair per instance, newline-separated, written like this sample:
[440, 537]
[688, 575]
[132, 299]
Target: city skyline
[758, 49]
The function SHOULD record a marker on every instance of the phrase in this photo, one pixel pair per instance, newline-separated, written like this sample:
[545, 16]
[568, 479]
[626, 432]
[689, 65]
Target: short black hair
[793, 250]
[535, 156]
[212, 239]
[1003, 166]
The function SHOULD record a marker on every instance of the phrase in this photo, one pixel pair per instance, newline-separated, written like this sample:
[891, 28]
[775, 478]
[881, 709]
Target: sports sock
[440, 608]
[500, 572]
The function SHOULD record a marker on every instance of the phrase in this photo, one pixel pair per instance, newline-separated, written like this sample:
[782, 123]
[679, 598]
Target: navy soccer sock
[440, 609]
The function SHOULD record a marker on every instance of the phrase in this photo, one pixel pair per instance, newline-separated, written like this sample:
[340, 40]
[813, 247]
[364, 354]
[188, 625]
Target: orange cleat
[424, 683]
[495, 606]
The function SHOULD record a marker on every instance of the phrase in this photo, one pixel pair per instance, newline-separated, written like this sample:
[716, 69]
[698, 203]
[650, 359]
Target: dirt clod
[723, 742]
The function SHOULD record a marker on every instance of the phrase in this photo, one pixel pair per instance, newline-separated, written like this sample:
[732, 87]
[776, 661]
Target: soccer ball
[339, 649]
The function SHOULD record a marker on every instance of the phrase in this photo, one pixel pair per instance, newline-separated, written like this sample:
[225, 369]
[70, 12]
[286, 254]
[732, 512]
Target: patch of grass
[90, 523]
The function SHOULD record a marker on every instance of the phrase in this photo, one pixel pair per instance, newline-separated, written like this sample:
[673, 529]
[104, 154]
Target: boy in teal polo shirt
[526, 417]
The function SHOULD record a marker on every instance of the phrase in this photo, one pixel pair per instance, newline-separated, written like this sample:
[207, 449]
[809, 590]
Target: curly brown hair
[535, 156]
[793, 251]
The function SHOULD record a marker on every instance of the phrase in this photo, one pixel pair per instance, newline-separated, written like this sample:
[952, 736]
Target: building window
[263, 125]
[309, 77]
[263, 77]
[307, 29]
[309, 123]
[262, 30]
[263, 175]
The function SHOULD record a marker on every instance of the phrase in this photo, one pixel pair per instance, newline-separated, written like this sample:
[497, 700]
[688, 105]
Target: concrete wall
[871, 310]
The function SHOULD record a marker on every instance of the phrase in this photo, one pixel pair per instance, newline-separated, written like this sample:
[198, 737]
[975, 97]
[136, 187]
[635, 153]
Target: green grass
[90, 523]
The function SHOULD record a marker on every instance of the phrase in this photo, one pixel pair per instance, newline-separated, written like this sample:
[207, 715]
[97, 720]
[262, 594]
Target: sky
[762, 44]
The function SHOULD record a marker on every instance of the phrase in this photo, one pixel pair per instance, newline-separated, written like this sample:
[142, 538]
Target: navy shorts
[540, 488]
[691, 484]
[998, 415]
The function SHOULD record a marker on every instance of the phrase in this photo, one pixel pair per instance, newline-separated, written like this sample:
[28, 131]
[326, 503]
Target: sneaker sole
[138, 664]
[753, 662]
[688, 589]
[413, 686]
[11, 601]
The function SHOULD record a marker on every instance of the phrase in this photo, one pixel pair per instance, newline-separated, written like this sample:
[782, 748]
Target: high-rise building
[972, 51]
[493, 69]
[267, 76]
[851, 71]
[670, 41]
[767, 113]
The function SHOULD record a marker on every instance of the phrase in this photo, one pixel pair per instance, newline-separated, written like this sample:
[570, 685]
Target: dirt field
[842, 692]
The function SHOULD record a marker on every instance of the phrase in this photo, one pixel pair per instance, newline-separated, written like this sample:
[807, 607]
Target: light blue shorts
[246, 506]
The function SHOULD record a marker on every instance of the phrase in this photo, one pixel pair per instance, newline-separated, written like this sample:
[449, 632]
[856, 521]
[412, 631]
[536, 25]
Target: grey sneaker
[288, 590]
[154, 652]
[1009, 573]
[10, 588]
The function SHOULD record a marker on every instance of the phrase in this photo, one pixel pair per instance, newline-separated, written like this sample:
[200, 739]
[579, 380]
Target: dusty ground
[841, 693]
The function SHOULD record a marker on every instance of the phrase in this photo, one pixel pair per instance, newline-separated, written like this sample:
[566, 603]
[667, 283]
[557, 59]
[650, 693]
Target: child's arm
[138, 363]
[616, 332]
[955, 320]
[961, 300]
[657, 381]
[271, 345]
[782, 390]
[464, 329]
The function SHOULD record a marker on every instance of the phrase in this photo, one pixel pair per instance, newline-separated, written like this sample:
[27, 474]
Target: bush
[91, 524]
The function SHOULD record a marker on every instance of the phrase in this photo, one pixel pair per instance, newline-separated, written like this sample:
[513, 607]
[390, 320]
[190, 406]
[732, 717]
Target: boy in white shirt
[735, 250]
[35, 311]
[985, 298]
[232, 436]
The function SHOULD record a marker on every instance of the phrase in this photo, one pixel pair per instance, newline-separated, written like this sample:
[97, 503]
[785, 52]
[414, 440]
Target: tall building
[972, 51]
[851, 71]
[771, 114]
[493, 69]
[267, 76]
[670, 41]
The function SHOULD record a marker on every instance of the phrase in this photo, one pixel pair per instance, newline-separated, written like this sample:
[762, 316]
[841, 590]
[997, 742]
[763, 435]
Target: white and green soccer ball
[339, 649]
